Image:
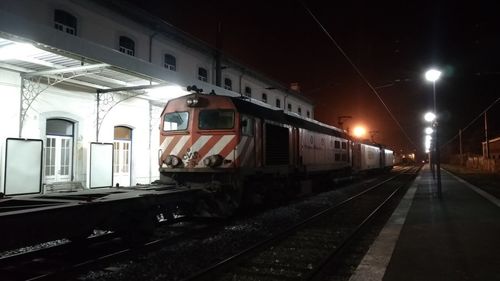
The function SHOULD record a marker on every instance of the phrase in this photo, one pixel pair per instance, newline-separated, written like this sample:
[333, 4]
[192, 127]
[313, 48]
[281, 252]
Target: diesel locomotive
[245, 150]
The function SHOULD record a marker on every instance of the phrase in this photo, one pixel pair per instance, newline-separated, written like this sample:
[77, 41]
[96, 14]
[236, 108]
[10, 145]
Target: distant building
[494, 146]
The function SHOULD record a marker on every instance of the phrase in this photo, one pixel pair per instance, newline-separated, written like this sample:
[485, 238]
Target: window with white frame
[248, 91]
[65, 22]
[264, 97]
[228, 84]
[299, 110]
[308, 114]
[202, 74]
[169, 62]
[289, 107]
[278, 103]
[127, 46]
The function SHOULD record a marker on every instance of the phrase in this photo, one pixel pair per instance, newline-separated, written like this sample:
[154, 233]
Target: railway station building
[83, 84]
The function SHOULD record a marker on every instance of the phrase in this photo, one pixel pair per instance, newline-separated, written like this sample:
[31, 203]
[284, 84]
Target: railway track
[66, 260]
[302, 251]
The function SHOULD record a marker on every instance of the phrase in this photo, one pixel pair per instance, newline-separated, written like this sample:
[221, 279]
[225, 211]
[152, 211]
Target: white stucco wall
[9, 113]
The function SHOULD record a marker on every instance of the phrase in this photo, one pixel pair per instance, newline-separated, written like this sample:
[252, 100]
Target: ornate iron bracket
[35, 83]
[105, 101]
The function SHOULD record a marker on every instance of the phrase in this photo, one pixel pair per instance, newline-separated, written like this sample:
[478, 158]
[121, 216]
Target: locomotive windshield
[216, 119]
[175, 121]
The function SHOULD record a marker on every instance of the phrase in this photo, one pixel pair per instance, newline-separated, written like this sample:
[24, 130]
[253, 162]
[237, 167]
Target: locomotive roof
[280, 116]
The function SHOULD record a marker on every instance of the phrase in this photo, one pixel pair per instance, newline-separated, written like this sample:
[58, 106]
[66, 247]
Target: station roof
[38, 60]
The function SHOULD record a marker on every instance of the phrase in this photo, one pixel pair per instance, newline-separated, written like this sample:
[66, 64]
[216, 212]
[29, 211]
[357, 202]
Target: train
[217, 155]
[246, 151]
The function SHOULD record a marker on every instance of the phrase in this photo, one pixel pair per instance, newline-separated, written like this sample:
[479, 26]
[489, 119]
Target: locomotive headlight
[175, 161]
[213, 160]
[192, 101]
[172, 160]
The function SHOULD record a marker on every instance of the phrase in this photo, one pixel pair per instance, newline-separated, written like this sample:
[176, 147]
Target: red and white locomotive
[233, 145]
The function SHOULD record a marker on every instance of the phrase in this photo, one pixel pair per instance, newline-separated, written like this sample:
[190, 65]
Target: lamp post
[341, 121]
[428, 146]
[433, 75]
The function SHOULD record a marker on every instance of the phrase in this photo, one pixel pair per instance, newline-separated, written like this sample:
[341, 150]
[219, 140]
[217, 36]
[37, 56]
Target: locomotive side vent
[277, 146]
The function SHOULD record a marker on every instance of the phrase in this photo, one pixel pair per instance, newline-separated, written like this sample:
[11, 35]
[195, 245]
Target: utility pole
[218, 54]
[341, 122]
[372, 135]
[486, 136]
[460, 140]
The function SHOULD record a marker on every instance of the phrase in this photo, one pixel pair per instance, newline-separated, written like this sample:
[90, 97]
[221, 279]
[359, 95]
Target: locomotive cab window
[216, 119]
[175, 121]
[246, 125]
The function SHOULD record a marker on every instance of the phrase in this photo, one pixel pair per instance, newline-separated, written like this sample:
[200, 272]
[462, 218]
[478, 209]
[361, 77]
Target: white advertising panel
[101, 165]
[23, 166]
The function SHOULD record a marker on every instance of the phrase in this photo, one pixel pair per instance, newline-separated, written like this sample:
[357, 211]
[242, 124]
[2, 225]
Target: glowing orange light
[359, 132]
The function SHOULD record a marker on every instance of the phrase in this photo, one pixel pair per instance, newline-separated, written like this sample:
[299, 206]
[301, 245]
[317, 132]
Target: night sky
[392, 43]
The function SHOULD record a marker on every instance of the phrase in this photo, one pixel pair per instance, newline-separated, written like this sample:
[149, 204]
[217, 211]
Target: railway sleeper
[136, 226]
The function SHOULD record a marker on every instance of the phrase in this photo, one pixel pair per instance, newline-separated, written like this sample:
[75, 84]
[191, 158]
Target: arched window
[65, 22]
[59, 127]
[127, 46]
[248, 91]
[228, 84]
[202, 74]
[264, 97]
[278, 103]
[123, 133]
[170, 62]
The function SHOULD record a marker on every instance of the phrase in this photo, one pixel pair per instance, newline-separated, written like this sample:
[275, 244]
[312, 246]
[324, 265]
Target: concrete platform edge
[478, 190]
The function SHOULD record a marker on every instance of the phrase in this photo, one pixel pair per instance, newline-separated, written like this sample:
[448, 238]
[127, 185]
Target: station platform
[427, 238]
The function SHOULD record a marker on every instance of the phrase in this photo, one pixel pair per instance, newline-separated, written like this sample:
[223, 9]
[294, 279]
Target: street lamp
[429, 117]
[433, 75]
[359, 132]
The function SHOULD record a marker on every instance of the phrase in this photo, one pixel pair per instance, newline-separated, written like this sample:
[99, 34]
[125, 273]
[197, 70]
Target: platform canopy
[49, 65]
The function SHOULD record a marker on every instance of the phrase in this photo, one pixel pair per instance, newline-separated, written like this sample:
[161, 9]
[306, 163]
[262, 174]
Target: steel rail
[80, 264]
[209, 272]
[351, 236]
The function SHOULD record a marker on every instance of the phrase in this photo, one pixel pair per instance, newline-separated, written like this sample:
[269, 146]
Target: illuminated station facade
[76, 73]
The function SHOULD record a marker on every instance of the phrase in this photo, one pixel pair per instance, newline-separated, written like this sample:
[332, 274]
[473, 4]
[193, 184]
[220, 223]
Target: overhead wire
[472, 122]
[360, 74]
